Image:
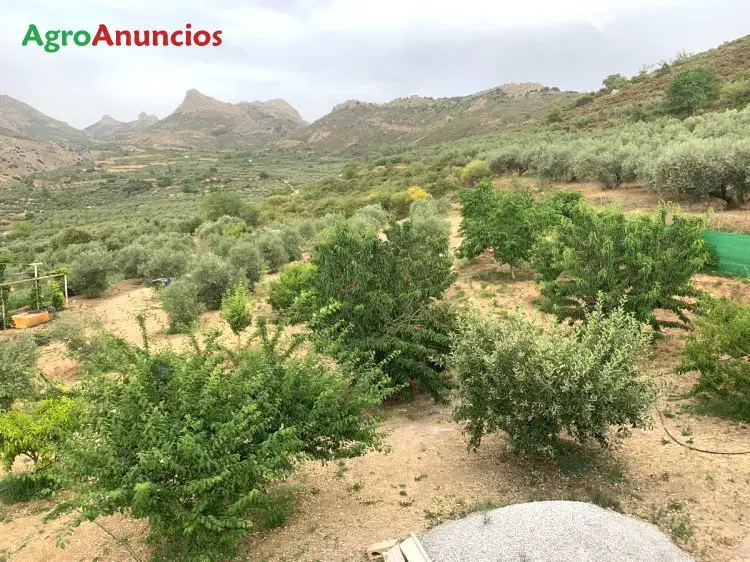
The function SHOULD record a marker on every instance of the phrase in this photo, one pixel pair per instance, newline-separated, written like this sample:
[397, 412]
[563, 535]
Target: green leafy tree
[234, 309]
[509, 222]
[38, 431]
[719, 349]
[18, 357]
[89, 272]
[164, 262]
[691, 90]
[536, 383]
[228, 203]
[475, 171]
[193, 441]
[246, 257]
[385, 294]
[273, 250]
[180, 302]
[213, 276]
[604, 256]
[703, 168]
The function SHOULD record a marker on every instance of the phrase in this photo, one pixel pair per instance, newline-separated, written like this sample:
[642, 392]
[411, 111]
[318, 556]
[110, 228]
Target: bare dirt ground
[429, 476]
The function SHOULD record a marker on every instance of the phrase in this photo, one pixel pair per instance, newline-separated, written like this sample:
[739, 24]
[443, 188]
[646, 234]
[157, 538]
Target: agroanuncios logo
[54, 39]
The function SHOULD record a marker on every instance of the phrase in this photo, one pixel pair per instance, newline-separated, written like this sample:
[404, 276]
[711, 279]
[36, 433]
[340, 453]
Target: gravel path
[559, 531]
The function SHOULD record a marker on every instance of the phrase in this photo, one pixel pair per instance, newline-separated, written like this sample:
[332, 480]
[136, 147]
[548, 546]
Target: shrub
[69, 237]
[130, 260]
[429, 206]
[736, 93]
[193, 441]
[218, 244]
[293, 242]
[384, 294]
[293, 280]
[614, 81]
[18, 358]
[510, 159]
[273, 251]
[27, 486]
[222, 203]
[555, 115]
[180, 302]
[88, 273]
[691, 90]
[536, 383]
[397, 204]
[582, 100]
[164, 262]
[719, 349]
[246, 258]
[234, 310]
[509, 222]
[371, 216]
[473, 172]
[604, 256]
[212, 277]
[563, 202]
[225, 225]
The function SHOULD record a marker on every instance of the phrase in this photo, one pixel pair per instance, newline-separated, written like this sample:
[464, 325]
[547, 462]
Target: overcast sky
[317, 53]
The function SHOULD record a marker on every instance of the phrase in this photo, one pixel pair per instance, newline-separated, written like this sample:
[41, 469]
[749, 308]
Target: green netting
[733, 251]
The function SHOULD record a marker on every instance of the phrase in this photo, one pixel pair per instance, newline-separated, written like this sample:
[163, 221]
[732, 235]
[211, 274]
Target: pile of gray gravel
[559, 531]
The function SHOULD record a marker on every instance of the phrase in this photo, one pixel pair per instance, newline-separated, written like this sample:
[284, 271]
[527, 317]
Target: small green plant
[604, 498]
[234, 309]
[341, 469]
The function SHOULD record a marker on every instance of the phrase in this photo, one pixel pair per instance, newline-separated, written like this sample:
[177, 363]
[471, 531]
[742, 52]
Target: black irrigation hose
[696, 448]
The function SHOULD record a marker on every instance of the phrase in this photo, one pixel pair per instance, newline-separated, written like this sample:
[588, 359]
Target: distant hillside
[21, 156]
[643, 91]
[26, 121]
[107, 127]
[206, 123]
[358, 126]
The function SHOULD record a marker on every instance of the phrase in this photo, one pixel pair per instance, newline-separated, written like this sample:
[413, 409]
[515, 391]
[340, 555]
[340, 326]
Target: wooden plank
[376, 551]
[393, 555]
[413, 550]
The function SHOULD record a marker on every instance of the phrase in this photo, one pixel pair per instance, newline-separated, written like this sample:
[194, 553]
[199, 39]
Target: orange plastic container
[30, 319]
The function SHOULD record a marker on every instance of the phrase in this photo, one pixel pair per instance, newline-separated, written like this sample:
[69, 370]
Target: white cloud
[316, 53]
